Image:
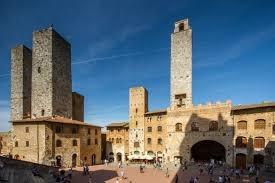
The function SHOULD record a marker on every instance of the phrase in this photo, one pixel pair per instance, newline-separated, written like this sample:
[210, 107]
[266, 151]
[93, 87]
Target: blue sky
[120, 44]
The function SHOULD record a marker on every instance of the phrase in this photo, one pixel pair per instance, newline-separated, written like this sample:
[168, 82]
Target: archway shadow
[206, 136]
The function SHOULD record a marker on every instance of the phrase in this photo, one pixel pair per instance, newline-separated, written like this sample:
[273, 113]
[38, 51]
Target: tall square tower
[51, 75]
[181, 65]
[21, 75]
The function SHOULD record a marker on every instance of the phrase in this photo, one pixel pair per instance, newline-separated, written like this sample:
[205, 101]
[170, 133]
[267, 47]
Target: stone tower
[21, 70]
[181, 65]
[51, 75]
[138, 105]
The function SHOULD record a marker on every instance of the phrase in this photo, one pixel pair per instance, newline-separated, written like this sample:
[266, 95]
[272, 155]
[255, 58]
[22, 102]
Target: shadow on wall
[203, 139]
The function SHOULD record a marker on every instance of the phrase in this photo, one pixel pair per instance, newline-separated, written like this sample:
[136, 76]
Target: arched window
[117, 140]
[74, 142]
[96, 141]
[159, 141]
[213, 126]
[42, 112]
[259, 124]
[136, 152]
[149, 129]
[149, 140]
[113, 140]
[16, 144]
[242, 125]
[194, 126]
[259, 142]
[136, 144]
[58, 143]
[159, 128]
[178, 127]
[241, 142]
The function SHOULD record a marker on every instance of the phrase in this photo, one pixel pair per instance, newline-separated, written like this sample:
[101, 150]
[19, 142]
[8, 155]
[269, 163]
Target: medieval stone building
[47, 117]
[238, 135]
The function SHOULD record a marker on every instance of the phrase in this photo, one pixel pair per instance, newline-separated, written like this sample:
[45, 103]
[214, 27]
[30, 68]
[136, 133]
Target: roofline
[253, 106]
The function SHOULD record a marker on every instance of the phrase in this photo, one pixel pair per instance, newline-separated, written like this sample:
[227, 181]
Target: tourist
[70, 173]
[237, 172]
[87, 170]
[191, 180]
[167, 174]
[122, 174]
[177, 178]
[257, 180]
[90, 179]
[211, 180]
[221, 179]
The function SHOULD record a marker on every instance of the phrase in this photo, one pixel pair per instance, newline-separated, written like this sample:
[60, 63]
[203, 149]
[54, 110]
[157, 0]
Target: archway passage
[208, 149]
[74, 160]
[258, 159]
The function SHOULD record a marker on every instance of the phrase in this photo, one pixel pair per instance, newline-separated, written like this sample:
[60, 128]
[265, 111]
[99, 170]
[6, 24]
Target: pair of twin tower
[41, 83]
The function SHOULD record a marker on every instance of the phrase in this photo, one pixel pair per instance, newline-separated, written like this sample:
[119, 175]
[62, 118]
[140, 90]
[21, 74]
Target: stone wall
[35, 136]
[154, 121]
[250, 133]
[5, 143]
[179, 143]
[78, 106]
[51, 75]
[21, 69]
[181, 65]
[118, 139]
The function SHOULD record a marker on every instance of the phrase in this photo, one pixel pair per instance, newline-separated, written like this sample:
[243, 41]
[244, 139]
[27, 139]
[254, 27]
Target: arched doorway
[258, 159]
[208, 149]
[118, 157]
[93, 159]
[240, 161]
[74, 156]
[58, 161]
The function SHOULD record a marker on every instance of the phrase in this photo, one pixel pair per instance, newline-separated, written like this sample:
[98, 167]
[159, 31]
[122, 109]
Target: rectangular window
[95, 131]
[89, 141]
[74, 130]
[27, 144]
[149, 129]
[89, 131]
[27, 129]
[273, 129]
[96, 141]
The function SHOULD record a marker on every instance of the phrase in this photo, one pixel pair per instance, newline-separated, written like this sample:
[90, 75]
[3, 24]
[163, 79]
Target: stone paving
[111, 173]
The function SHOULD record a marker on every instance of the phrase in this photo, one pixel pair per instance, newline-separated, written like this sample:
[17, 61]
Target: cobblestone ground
[111, 173]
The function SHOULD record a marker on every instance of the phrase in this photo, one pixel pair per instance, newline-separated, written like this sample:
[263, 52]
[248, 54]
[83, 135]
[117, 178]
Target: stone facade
[5, 143]
[78, 106]
[45, 141]
[254, 124]
[237, 135]
[181, 65]
[43, 107]
[51, 75]
[117, 137]
[21, 66]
